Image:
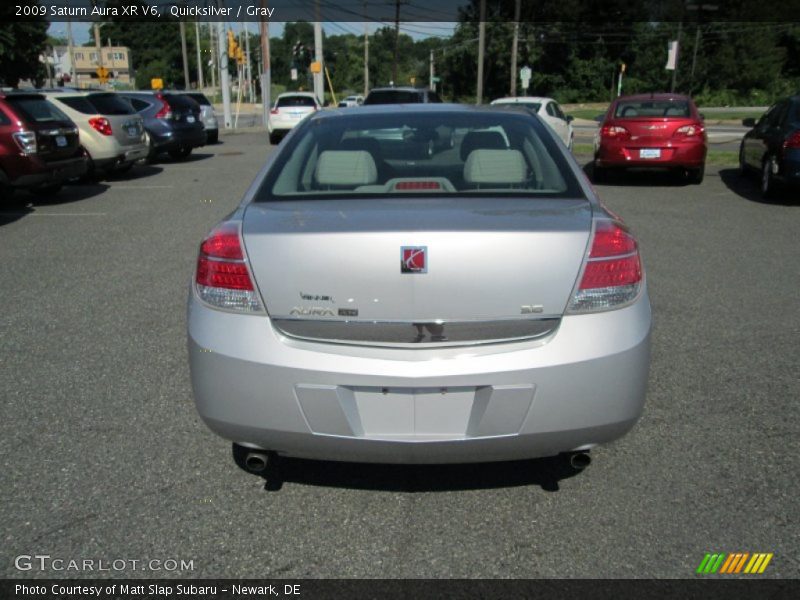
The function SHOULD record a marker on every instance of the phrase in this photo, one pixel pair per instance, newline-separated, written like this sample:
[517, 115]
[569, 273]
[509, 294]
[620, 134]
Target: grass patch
[717, 158]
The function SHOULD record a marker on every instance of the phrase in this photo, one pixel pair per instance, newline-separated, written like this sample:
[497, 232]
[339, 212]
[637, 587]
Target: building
[116, 59]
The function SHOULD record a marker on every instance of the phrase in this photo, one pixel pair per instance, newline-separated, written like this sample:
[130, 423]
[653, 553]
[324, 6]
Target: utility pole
[200, 82]
[366, 52]
[514, 46]
[431, 82]
[182, 27]
[72, 77]
[396, 40]
[247, 56]
[212, 47]
[677, 58]
[266, 100]
[319, 82]
[481, 50]
[222, 48]
[97, 46]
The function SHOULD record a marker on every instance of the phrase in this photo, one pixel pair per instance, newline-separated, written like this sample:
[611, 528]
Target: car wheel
[48, 190]
[181, 152]
[768, 182]
[123, 168]
[212, 138]
[6, 191]
[274, 138]
[695, 176]
[599, 174]
[742, 163]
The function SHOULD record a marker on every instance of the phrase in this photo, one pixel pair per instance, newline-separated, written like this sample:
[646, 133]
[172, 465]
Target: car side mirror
[749, 122]
[570, 118]
[702, 117]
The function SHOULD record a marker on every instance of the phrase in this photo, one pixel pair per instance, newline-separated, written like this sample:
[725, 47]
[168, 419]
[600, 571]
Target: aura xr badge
[414, 259]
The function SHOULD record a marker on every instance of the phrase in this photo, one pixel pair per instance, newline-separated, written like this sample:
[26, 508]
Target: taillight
[612, 274]
[274, 111]
[26, 140]
[615, 131]
[101, 124]
[793, 141]
[689, 131]
[222, 278]
[165, 112]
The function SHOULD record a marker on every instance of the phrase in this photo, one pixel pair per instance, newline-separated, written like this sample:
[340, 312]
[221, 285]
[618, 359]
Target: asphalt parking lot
[104, 456]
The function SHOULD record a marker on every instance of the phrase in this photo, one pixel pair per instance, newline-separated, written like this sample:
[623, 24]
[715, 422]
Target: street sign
[436, 79]
[525, 76]
[102, 74]
[157, 83]
[294, 74]
[315, 67]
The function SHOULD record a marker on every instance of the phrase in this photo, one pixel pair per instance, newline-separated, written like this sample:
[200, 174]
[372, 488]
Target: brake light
[615, 131]
[612, 274]
[165, 112]
[417, 185]
[222, 278]
[689, 130]
[101, 124]
[26, 141]
[274, 111]
[793, 141]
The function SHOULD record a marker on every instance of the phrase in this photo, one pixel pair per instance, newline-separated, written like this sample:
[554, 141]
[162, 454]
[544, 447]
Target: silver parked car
[370, 302]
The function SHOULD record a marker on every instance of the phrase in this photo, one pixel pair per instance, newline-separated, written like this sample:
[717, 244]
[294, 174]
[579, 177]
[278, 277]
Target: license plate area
[61, 141]
[650, 153]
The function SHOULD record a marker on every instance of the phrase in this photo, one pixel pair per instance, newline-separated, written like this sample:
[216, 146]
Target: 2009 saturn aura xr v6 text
[379, 296]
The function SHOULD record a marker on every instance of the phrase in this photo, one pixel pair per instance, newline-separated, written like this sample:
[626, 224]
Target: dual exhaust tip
[256, 462]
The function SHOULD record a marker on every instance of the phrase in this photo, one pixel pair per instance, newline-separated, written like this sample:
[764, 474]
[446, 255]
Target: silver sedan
[373, 300]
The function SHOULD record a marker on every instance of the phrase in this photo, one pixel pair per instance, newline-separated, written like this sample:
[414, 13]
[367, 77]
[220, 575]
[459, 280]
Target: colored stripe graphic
[733, 563]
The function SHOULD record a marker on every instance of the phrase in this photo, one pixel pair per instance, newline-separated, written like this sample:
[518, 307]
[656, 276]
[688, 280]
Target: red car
[652, 130]
[39, 145]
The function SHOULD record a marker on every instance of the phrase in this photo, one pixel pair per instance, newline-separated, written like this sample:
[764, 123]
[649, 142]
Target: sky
[81, 31]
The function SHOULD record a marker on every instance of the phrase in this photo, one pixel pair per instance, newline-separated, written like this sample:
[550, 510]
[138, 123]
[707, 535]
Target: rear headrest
[487, 140]
[369, 144]
[346, 168]
[629, 111]
[676, 111]
[495, 166]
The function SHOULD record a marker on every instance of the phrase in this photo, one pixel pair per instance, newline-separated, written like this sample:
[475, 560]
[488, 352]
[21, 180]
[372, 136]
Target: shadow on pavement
[136, 172]
[543, 472]
[747, 187]
[193, 157]
[25, 202]
[638, 177]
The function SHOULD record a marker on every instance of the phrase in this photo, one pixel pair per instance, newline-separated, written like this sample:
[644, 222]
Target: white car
[351, 101]
[289, 109]
[549, 110]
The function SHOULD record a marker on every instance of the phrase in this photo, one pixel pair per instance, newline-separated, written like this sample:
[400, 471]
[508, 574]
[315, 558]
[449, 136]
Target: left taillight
[222, 278]
[792, 142]
[612, 274]
[101, 124]
[26, 141]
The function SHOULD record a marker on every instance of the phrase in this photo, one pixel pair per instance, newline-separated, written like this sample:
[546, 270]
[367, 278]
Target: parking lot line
[20, 213]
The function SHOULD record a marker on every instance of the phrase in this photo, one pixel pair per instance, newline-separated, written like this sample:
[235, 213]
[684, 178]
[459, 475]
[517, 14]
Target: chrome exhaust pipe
[579, 460]
[256, 462]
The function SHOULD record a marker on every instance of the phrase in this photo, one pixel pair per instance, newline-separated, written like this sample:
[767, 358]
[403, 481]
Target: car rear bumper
[39, 172]
[173, 140]
[584, 386]
[690, 155]
[790, 167]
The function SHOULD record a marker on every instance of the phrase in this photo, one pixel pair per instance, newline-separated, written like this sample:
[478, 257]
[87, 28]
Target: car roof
[306, 94]
[83, 93]
[510, 100]
[653, 96]
[406, 88]
[433, 108]
[20, 94]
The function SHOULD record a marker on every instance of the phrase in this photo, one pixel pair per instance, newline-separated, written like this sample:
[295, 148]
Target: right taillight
[274, 111]
[612, 274]
[793, 141]
[615, 132]
[222, 278]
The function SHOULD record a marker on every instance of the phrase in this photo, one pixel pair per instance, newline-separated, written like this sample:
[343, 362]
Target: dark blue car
[172, 122]
[772, 147]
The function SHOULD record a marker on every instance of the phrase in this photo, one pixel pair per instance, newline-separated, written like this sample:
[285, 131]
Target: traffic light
[232, 45]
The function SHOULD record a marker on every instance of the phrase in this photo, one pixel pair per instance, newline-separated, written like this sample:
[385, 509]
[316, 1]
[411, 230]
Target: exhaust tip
[580, 460]
[256, 462]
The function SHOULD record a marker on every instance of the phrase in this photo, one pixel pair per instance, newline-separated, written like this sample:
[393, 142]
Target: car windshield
[631, 109]
[458, 153]
[393, 97]
[295, 101]
[37, 109]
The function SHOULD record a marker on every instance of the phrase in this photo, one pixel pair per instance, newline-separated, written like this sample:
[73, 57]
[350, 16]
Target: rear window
[110, 104]
[295, 101]
[181, 102]
[37, 109]
[432, 154]
[79, 103]
[630, 109]
[200, 99]
[393, 97]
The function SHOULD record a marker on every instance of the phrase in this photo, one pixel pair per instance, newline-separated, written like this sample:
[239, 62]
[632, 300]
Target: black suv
[401, 95]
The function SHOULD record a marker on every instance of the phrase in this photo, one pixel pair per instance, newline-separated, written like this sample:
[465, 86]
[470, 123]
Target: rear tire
[212, 138]
[768, 183]
[695, 176]
[180, 153]
[123, 168]
[742, 162]
[6, 191]
[599, 174]
[48, 190]
[274, 138]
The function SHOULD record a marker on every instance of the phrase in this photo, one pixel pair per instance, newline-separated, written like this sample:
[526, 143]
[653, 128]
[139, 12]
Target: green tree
[21, 43]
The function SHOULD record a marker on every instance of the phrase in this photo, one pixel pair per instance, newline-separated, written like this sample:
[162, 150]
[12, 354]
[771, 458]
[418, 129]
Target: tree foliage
[21, 42]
